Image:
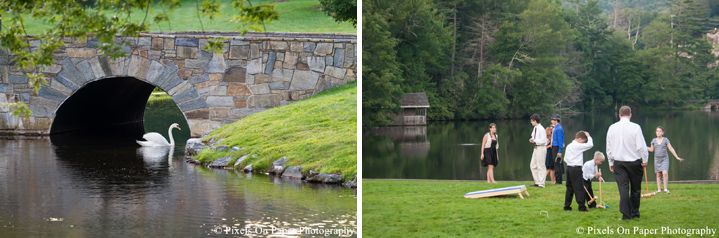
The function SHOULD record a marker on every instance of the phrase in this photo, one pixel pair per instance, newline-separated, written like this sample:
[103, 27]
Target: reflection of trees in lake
[412, 140]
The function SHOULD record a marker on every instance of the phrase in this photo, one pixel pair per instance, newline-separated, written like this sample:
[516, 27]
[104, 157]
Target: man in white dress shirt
[574, 158]
[539, 140]
[627, 153]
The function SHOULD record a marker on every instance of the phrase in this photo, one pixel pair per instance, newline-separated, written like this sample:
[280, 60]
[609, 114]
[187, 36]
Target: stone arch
[125, 83]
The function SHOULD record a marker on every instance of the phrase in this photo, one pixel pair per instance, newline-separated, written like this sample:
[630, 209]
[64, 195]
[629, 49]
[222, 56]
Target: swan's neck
[172, 139]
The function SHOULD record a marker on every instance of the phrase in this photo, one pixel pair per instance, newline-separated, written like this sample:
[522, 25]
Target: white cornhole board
[498, 192]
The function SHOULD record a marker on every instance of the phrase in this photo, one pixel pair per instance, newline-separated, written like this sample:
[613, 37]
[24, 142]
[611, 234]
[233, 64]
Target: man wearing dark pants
[574, 158]
[557, 144]
[627, 152]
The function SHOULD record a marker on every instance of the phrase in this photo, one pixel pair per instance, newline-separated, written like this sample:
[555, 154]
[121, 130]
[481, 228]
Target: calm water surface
[451, 150]
[106, 188]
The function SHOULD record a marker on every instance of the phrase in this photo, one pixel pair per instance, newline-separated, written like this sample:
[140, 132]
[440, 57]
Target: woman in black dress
[489, 152]
[549, 163]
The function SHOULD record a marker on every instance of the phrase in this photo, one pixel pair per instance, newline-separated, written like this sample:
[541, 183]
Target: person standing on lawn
[574, 158]
[549, 162]
[557, 146]
[490, 157]
[659, 146]
[539, 140]
[627, 153]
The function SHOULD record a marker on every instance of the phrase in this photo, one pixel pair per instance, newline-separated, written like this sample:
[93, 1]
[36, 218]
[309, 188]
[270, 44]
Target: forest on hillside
[513, 58]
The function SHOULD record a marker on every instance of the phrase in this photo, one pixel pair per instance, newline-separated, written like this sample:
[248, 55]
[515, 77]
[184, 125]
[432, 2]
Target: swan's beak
[179, 128]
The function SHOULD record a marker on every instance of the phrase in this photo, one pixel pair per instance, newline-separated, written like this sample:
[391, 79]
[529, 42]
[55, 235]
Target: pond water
[107, 188]
[451, 150]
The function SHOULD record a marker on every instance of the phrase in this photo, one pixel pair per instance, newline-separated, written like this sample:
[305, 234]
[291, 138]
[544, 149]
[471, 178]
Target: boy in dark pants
[590, 171]
[573, 157]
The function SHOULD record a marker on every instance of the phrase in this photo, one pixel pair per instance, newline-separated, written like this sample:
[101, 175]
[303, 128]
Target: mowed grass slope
[438, 209]
[295, 16]
[317, 133]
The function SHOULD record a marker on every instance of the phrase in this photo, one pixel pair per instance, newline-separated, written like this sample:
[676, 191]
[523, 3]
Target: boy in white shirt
[590, 171]
[573, 158]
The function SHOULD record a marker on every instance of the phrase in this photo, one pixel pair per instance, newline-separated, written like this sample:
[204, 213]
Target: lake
[106, 186]
[451, 150]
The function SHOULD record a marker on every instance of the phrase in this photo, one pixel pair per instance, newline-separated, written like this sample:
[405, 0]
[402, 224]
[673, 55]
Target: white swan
[155, 139]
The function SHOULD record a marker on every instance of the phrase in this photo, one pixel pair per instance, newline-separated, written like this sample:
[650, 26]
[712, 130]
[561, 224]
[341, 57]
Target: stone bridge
[255, 72]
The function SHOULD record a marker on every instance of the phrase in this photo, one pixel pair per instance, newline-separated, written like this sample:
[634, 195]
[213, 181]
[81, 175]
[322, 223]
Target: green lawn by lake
[438, 209]
[295, 16]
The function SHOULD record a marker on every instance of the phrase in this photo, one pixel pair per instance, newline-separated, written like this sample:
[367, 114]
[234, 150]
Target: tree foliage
[512, 58]
[341, 10]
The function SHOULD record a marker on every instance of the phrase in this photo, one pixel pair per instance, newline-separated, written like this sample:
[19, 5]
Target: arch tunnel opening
[105, 111]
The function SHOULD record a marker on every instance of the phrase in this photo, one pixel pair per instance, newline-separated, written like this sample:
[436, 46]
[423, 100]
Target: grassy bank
[438, 209]
[318, 133]
[295, 16]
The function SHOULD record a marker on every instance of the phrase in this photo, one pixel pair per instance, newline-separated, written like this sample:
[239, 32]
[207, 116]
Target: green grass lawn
[438, 209]
[318, 133]
[295, 16]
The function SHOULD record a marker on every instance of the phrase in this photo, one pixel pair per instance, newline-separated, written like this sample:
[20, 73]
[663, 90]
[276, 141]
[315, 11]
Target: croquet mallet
[593, 198]
[648, 194]
[600, 192]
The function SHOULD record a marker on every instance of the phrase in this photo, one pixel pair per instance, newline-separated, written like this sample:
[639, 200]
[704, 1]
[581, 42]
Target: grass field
[295, 16]
[438, 209]
[318, 133]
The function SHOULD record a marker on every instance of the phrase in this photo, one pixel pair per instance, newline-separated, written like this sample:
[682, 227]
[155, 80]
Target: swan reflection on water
[155, 157]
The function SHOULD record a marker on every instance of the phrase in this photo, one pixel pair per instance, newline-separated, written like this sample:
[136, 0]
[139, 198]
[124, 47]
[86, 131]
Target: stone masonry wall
[254, 72]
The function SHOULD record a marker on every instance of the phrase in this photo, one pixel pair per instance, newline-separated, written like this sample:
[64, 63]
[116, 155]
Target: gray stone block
[156, 68]
[25, 97]
[254, 66]
[277, 167]
[339, 58]
[144, 41]
[185, 96]
[169, 70]
[40, 112]
[18, 79]
[235, 74]
[336, 72]
[5, 88]
[44, 103]
[284, 75]
[329, 60]
[199, 78]
[239, 161]
[309, 46]
[270, 63]
[51, 94]
[324, 49]
[204, 55]
[316, 64]
[219, 101]
[263, 101]
[220, 163]
[86, 71]
[171, 82]
[239, 42]
[217, 65]
[71, 72]
[279, 85]
[294, 172]
[304, 80]
[194, 42]
[66, 82]
[197, 103]
[260, 89]
[105, 65]
[196, 64]
[325, 178]
[96, 68]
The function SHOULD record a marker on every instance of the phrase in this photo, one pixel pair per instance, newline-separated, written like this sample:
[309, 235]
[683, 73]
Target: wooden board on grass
[498, 192]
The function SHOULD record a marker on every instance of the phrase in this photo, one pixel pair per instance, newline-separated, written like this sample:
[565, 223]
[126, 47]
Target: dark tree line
[512, 58]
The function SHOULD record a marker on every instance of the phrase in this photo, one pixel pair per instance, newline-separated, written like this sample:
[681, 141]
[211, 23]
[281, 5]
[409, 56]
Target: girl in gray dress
[661, 159]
